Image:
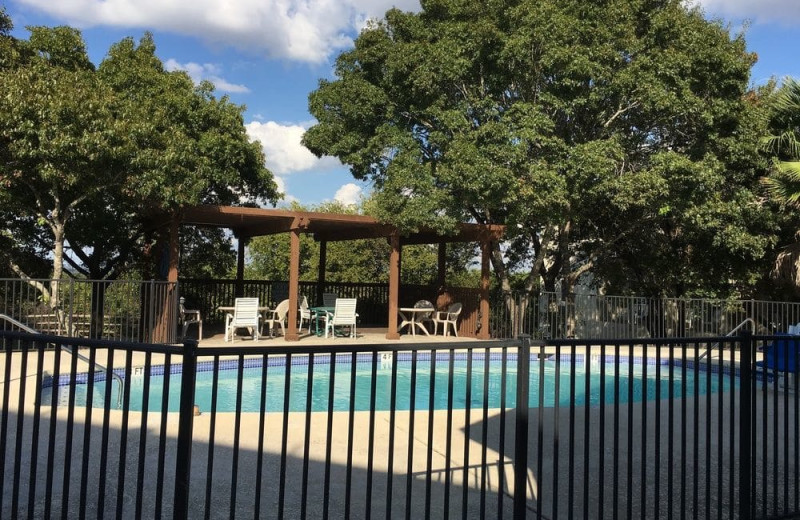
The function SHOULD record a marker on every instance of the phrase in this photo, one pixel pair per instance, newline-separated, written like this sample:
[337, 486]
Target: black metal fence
[699, 428]
[548, 315]
[147, 310]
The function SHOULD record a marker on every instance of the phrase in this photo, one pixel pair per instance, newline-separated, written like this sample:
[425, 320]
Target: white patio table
[408, 317]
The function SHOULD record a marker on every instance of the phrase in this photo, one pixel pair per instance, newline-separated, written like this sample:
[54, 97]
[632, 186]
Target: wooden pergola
[246, 223]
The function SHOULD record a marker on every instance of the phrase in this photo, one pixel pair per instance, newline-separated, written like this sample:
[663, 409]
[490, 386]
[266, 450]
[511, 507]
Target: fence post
[745, 424]
[521, 428]
[185, 420]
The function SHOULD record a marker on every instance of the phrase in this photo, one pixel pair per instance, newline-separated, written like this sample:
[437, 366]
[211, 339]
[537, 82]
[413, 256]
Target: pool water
[636, 380]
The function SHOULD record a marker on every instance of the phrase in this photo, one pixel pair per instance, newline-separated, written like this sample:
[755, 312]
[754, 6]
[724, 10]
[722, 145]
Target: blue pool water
[636, 380]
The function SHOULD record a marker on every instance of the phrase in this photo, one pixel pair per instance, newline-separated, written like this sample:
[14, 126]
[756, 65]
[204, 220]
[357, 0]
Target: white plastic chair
[189, 317]
[344, 314]
[245, 316]
[278, 317]
[446, 318]
[305, 314]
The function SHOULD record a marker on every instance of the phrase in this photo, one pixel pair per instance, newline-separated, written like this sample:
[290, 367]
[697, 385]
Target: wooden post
[174, 249]
[441, 271]
[394, 285]
[484, 307]
[242, 242]
[294, 282]
[167, 315]
[323, 257]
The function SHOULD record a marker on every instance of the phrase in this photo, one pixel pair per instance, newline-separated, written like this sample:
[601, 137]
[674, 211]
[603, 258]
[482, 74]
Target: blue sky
[269, 54]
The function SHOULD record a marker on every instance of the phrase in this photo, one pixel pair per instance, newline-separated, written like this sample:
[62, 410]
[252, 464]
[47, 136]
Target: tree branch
[619, 112]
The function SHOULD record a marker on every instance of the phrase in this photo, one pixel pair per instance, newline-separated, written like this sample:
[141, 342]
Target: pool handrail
[80, 356]
[731, 333]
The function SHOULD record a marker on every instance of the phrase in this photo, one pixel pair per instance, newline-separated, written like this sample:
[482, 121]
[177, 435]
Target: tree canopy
[89, 153]
[615, 137]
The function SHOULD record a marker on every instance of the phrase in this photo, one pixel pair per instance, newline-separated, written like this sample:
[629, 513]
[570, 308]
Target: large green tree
[89, 155]
[610, 136]
[64, 140]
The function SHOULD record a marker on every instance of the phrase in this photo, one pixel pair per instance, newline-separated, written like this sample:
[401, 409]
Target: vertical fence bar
[87, 425]
[162, 440]
[52, 434]
[183, 449]
[745, 425]
[326, 494]
[390, 454]
[285, 435]
[431, 408]
[521, 429]
[123, 443]
[8, 347]
[237, 432]
[484, 431]
[262, 417]
[211, 435]
[142, 433]
[37, 417]
[23, 373]
[448, 443]
[307, 431]
[350, 434]
[371, 442]
[411, 413]
[501, 478]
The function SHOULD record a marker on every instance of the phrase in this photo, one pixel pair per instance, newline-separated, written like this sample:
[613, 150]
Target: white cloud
[761, 11]
[207, 71]
[349, 194]
[302, 30]
[285, 153]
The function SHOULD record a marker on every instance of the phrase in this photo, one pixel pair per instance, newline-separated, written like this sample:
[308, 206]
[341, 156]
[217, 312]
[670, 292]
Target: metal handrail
[66, 348]
[731, 333]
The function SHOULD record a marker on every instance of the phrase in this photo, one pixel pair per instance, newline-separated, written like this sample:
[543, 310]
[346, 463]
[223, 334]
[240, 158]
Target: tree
[89, 156]
[590, 128]
[782, 144]
[63, 140]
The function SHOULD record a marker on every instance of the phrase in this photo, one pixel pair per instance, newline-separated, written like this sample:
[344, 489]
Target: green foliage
[365, 261]
[88, 155]
[614, 137]
[206, 253]
[783, 145]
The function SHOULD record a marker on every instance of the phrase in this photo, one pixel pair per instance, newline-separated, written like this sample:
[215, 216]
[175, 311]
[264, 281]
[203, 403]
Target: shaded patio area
[246, 223]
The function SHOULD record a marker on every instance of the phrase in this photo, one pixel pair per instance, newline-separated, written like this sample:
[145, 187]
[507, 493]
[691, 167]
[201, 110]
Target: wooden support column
[441, 271]
[394, 285]
[167, 315]
[241, 243]
[323, 257]
[484, 307]
[294, 282]
[174, 248]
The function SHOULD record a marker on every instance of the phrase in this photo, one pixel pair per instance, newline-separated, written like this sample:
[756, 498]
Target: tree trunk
[97, 309]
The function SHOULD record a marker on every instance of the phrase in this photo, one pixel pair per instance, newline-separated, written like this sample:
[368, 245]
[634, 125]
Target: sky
[268, 55]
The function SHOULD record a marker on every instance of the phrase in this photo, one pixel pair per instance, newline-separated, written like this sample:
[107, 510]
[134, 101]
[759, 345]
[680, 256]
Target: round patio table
[409, 318]
[318, 311]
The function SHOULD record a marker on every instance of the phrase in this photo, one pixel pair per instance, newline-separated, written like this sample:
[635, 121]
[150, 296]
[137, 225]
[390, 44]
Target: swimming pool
[636, 381]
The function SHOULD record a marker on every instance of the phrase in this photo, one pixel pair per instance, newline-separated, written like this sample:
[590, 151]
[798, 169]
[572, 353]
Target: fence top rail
[355, 349]
[92, 343]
